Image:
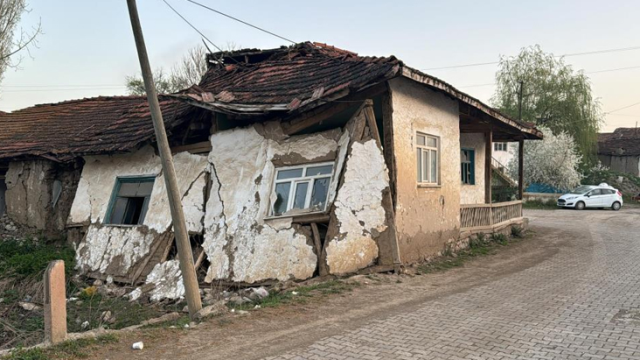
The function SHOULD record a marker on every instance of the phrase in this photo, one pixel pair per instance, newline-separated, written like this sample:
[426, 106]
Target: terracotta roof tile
[78, 127]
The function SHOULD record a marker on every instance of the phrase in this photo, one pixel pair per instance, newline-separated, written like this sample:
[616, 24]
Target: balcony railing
[489, 216]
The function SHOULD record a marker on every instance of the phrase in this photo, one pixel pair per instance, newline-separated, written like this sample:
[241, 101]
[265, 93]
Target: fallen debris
[29, 306]
[138, 345]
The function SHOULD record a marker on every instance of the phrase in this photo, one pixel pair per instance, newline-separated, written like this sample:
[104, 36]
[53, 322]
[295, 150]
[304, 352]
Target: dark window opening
[131, 200]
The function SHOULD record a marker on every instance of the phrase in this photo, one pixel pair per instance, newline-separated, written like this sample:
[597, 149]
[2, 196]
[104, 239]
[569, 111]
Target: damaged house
[292, 162]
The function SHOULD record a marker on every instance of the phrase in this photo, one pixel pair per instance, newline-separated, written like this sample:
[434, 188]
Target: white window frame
[425, 174]
[294, 183]
[500, 146]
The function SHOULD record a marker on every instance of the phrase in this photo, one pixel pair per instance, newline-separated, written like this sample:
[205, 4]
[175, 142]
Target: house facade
[620, 150]
[292, 163]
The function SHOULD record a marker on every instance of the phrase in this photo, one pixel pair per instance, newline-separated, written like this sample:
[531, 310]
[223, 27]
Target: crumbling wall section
[241, 242]
[119, 250]
[358, 210]
[39, 194]
[426, 216]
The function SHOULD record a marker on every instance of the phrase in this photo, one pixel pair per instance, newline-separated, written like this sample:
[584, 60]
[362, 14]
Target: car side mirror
[588, 195]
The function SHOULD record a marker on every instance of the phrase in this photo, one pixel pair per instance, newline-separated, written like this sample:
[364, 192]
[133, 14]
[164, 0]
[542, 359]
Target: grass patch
[298, 295]
[22, 259]
[72, 349]
[125, 313]
[539, 205]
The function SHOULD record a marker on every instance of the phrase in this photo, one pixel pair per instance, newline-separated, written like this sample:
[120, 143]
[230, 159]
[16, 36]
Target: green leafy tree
[14, 40]
[553, 95]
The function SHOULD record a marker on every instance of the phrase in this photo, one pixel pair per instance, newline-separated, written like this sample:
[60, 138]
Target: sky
[87, 46]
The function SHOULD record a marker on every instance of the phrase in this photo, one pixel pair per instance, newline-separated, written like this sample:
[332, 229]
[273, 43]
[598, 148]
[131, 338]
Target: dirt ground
[272, 331]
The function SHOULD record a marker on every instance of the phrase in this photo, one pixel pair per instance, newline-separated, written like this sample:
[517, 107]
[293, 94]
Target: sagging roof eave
[420, 77]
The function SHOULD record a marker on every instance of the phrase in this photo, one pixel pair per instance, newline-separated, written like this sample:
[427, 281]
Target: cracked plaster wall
[358, 209]
[474, 194]
[240, 244]
[115, 249]
[426, 217]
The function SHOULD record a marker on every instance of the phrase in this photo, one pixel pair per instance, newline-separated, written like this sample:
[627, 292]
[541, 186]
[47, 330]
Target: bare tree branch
[10, 44]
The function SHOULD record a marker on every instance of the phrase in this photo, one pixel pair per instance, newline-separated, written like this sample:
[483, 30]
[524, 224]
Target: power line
[60, 85]
[622, 108]
[195, 28]
[556, 56]
[241, 21]
[586, 73]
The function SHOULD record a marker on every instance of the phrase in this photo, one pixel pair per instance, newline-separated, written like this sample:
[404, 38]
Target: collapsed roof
[290, 80]
[250, 83]
[621, 142]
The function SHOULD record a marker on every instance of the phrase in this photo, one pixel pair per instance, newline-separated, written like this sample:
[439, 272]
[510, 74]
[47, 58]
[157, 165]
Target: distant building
[620, 150]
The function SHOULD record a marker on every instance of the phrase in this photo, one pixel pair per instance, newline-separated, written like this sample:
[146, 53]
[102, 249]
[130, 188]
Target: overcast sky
[87, 47]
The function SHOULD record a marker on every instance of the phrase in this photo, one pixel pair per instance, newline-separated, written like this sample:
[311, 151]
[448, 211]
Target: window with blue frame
[130, 200]
[467, 166]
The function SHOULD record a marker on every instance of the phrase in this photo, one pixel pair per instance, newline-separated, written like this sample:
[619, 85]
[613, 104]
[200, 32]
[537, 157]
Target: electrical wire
[557, 56]
[622, 108]
[240, 21]
[196, 29]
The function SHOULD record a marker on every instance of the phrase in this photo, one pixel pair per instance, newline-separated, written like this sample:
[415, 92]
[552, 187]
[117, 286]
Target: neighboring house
[620, 150]
[292, 162]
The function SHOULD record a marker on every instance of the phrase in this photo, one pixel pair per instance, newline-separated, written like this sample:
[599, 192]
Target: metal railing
[488, 216]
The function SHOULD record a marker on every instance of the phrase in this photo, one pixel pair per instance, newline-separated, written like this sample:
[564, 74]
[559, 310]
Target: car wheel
[616, 206]
[580, 205]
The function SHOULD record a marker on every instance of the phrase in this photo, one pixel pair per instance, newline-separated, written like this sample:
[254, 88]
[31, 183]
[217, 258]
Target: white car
[590, 196]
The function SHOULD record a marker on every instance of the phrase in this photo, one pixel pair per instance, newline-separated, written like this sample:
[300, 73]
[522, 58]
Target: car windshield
[582, 189]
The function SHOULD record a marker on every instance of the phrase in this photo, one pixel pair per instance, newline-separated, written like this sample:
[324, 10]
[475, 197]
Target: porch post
[520, 169]
[487, 166]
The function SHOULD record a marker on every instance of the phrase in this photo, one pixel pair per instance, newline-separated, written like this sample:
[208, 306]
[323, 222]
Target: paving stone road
[579, 304]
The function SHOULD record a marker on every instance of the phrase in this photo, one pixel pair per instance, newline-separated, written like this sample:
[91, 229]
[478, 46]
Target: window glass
[319, 170]
[432, 142]
[467, 166]
[309, 192]
[282, 198]
[427, 159]
[130, 202]
[596, 192]
[289, 174]
[420, 140]
[319, 193]
[434, 167]
[301, 195]
[419, 157]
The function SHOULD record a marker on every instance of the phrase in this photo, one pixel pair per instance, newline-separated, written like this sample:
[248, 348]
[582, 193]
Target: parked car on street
[591, 196]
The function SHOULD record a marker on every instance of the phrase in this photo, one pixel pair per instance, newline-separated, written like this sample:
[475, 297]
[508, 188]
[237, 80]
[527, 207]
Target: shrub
[517, 231]
[25, 258]
[499, 238]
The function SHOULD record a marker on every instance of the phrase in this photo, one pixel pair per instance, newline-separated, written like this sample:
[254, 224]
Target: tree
[553, 161]
[553, 95]
[186, 73]
[10, 44]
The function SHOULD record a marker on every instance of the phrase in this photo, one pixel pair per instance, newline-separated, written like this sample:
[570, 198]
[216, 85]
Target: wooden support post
[55, 303]
[185, 254]
[487, 166]
[521, 169]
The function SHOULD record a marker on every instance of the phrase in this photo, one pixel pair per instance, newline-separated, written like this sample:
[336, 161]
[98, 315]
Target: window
[427, 147]
[130, 200]
[302, 187]
[467, 166]
[500, 146]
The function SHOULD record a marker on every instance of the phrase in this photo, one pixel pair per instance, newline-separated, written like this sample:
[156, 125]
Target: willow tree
[553, 95]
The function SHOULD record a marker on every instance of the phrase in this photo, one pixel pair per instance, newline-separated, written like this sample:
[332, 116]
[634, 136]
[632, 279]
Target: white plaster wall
[359, 211]
[474, 194]
[99, 175]
[505, 157]
[114, 250]
[426, 217]
[239, 242]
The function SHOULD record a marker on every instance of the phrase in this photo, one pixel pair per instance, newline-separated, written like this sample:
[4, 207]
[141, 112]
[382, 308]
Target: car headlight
[570, 198]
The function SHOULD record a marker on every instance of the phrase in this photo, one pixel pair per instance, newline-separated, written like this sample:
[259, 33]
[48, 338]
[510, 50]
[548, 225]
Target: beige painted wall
[474, 194]
[426, 217]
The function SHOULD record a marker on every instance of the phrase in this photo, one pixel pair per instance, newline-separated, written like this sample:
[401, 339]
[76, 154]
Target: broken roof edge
[431, 81]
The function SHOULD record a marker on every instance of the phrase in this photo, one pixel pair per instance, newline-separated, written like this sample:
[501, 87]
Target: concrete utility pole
[177, 214]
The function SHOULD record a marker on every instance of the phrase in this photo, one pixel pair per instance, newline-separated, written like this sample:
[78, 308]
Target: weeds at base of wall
[71, 349]
[480, 245]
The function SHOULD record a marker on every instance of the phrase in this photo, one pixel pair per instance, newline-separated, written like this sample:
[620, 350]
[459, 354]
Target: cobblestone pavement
[578, 304]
